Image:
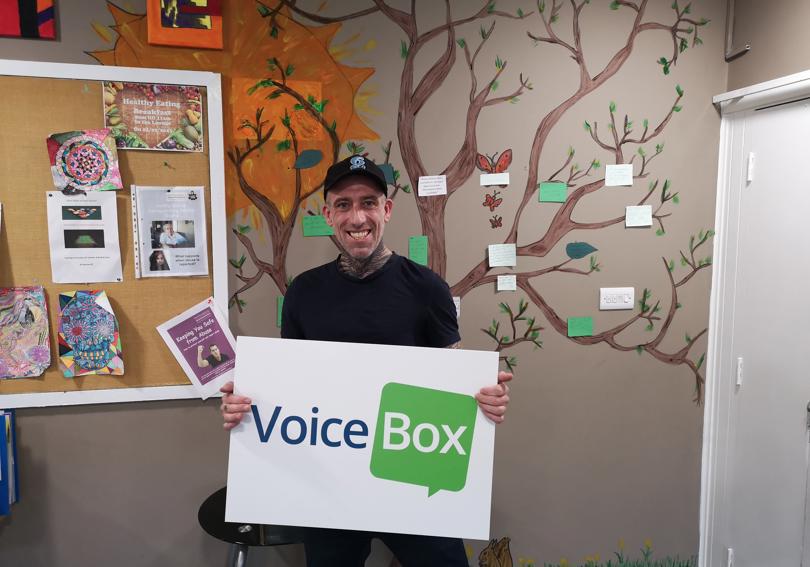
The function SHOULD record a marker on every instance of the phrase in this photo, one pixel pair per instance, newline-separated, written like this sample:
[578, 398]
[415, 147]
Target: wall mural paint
[295, 109]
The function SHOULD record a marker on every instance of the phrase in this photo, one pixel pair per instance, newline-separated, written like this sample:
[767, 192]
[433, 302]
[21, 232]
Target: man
[371, 295]
[214, 359]
[169, 238]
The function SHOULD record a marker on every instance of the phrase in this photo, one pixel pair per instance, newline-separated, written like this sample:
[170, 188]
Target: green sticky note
[580, 326]
[418, 249]
[279, 306]
[315, 225]
[553, 192]
[388, 171]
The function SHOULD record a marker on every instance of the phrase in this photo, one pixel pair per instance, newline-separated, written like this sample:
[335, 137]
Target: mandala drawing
[89, 341]
[84, 160]
[25, 350]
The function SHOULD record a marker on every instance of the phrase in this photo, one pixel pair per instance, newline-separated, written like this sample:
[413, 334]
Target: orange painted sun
[251, 42]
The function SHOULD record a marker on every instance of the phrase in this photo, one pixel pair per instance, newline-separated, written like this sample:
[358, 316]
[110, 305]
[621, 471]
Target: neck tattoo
[363, 267]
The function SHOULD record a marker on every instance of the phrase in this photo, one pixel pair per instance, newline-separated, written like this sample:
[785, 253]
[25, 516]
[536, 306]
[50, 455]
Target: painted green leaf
[243, 228]
[403, 49]
[659, 232]
[491, 7]
[612, 106]
[493, 86]
[274, 32]
[577, 250]
[498, 62]
[283, 145]
[646, 123]
[676, 199]
[649, 327]
[614, 5]
[289, 70]
[639, 349]
[677, 108]
[261, 84]
[587, 126]
[461, 43]
[263, 10]
[679, 90]
[406, 188]
[308, 158]
[519, 13]
[274, 94]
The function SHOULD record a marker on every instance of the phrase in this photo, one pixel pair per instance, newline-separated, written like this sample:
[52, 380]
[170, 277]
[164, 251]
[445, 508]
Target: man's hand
[233, 407]
[199, 349]
[493, 399]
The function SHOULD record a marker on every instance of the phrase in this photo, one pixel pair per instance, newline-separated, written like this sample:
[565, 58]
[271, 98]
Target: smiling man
[371, 295]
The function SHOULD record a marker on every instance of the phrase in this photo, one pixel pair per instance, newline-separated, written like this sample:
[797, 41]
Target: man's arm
[201, 362]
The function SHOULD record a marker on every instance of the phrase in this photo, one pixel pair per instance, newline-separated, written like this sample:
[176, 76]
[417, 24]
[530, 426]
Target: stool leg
[237, 555]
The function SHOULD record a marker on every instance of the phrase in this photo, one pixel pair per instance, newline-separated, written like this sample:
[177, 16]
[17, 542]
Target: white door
[765, 333]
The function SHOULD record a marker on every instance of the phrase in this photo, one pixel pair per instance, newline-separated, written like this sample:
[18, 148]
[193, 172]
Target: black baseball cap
[355, 165]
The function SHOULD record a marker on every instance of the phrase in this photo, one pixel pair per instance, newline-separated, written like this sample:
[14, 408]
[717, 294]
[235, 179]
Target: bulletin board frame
[218, 227]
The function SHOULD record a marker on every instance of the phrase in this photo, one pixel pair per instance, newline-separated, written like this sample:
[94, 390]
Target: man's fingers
[234, 408]
[493, 409]
[496, 390]
[231, 399]
[492, 400]
[232, 417]
[504, 376]
[227, 388]
[494, 417]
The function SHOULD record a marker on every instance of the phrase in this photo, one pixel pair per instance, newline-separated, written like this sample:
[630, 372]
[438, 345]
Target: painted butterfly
[492, 201]
[496, 221]
[494, 164]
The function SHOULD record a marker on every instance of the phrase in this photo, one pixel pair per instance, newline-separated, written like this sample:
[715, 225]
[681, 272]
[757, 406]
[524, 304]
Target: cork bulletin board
[37, 99]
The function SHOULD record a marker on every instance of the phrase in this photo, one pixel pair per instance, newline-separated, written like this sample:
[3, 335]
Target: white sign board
[362, 437]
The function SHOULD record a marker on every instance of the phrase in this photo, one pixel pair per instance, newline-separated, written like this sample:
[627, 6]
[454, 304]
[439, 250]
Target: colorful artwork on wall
[185, 23]
[30, 19]
[25, 350]
[147, 116]
[84, 160]
[89, 340]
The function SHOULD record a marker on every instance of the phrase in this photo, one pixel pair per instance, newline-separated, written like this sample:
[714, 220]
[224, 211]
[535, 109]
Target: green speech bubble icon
[423, 437]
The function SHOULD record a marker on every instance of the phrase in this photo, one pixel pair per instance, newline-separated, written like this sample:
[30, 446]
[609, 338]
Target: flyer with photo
[203, 345]
[83, 237]
[170, 231]
[147, 116]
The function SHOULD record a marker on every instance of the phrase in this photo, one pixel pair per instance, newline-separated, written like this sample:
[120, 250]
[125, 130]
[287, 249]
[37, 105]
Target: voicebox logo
[423, 437]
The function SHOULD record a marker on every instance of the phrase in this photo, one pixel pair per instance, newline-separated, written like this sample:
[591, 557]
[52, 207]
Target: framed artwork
[185, 23]
[29, 19]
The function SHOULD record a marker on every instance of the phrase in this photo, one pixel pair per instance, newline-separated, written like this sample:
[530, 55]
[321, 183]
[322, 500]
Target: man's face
[169, 228]
[214, 350]
[358, 211]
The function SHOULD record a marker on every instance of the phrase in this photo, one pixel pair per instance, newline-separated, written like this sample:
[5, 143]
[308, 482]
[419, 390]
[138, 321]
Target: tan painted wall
[777, 33]
[599, 446]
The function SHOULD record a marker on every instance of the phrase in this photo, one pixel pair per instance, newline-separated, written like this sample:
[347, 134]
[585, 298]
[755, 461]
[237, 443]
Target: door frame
[720, 370]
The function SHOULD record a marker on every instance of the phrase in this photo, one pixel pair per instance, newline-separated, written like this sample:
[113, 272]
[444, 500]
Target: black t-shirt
[402, 303]
[214, 362]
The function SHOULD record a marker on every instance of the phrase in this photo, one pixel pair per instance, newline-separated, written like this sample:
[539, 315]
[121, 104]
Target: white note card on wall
[457, 301]
[502, 255]
[432, 185]
[638, 216]
[507, 283]
[620, 174]
[488, 179]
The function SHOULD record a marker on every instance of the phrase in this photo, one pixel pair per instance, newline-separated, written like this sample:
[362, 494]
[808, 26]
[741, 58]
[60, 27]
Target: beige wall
[780, 45]
[600, 445]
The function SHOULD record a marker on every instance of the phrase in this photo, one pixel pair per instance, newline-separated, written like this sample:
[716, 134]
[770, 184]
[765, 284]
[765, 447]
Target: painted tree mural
[293, 106]
[624, 140]
[288, 124]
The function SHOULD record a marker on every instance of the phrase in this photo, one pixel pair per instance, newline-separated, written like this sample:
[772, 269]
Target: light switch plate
[611, 298]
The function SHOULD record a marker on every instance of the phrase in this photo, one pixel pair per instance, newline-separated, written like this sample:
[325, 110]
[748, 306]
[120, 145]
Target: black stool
[242, 536]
